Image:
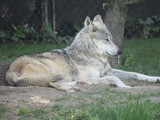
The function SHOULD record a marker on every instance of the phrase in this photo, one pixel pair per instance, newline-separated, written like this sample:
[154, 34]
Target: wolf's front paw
[155, 79]
[152, 79]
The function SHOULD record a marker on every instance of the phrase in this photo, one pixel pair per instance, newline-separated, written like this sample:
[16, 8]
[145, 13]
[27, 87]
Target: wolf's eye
[94, 30]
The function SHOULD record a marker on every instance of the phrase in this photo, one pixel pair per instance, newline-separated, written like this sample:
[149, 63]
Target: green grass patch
[146, 96]
[10, 51]
[113, 105]
[142, 55]
[28, 113]
[131, 110]
[103, 105]
[3, 110]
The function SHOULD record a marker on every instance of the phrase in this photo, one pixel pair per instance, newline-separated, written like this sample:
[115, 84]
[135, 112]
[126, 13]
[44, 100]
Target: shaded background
[70, 14]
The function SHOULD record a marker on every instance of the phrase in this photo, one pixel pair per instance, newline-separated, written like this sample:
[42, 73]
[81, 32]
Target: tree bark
[115, 19]
[45, 13]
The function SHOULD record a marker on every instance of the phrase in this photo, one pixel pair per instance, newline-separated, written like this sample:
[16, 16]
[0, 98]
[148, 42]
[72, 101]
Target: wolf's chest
[88, 72]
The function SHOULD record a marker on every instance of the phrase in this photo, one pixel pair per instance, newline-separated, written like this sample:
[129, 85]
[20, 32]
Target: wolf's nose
[120, 51]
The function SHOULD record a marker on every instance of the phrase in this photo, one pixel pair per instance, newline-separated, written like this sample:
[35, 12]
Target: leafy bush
[19, 34]
[143, 28]
[150, 26]
[25, 33]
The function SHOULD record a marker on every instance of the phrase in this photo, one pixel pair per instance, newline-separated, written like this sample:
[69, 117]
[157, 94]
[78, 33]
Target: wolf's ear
[98, 19]
[87, 22]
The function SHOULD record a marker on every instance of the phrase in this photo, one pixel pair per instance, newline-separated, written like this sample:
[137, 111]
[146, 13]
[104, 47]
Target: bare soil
[33, 96]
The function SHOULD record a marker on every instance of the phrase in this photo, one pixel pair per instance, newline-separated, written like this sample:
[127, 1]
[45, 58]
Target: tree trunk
[115, 19]
[48, 16]
[45, 12]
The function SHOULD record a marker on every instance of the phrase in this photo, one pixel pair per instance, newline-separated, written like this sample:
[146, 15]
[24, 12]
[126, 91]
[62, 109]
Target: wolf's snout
[120, 51]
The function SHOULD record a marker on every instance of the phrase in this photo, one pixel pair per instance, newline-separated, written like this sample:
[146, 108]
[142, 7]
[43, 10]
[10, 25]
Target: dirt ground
[45, 96]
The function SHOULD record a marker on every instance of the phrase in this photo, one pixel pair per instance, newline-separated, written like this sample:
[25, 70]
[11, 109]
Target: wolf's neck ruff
[93, 43]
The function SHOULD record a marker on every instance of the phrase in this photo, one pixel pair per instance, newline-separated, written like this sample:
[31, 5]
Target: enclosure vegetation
[105, 105]
[141, 55]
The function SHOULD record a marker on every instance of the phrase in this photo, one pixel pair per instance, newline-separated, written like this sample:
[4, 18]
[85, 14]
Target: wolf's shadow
[3, 68]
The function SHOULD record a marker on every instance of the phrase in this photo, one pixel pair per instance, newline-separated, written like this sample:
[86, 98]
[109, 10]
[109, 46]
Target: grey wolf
[84, 61]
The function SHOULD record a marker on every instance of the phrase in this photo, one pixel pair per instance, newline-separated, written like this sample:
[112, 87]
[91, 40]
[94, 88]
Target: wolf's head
[97, 31]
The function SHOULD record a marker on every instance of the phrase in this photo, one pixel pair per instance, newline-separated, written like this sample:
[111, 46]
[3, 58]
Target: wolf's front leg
[133, 75]
[107, 80]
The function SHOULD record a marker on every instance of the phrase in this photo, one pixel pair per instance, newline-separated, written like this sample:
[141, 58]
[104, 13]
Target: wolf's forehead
[103, 29]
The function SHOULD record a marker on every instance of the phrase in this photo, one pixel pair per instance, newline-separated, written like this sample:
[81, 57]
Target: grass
[115, 105]
[3, 110]
[10, 51]
[139, 55]
[26, 113]
[142, 55]
[132, 108]
[111, 105]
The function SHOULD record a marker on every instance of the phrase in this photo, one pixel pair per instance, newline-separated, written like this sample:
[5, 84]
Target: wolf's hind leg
[66, 86]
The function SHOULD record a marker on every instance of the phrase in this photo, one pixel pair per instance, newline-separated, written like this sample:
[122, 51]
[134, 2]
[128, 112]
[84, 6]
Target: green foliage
[150, 26]
[78, 25]
[25, 33]
[143, 28]
[19, 33]
[22, 33]
[48, 34]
